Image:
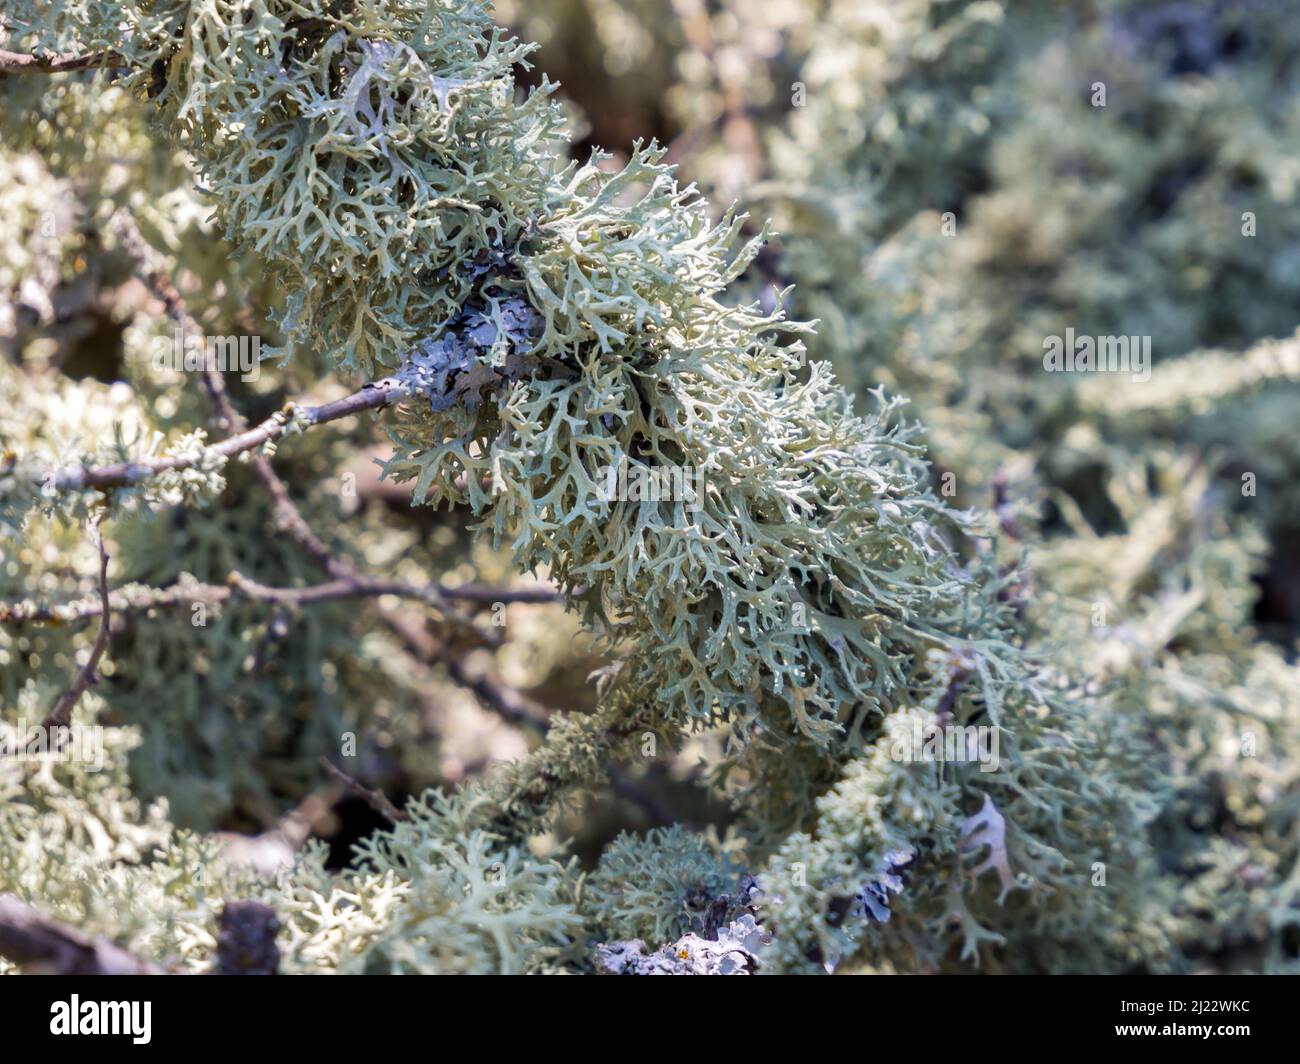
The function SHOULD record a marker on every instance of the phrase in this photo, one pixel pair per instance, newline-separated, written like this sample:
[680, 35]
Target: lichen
[1072, 565]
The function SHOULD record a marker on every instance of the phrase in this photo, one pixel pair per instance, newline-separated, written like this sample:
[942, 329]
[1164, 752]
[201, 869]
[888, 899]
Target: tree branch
[138, 598]
[376, 799]
[517, 708]
[18, 63]
[61, 714]
[121, 474]
[358, 586]
[348, 580]
[39, 944]
[505, 701]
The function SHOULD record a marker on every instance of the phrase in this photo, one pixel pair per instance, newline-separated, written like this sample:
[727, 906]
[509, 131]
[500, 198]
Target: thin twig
[347, 581]
[18, 63]
[139, 598]
[507, 702]
[376, 799]
[275, 849]
[153, 272]
[490, 594]
[122, 474]
[359, 586]
[288, 518]
[61, 714]
[515, 707]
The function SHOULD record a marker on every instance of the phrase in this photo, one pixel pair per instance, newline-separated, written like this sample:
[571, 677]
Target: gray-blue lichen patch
[736, 951]
[872, 900]
[478, 348]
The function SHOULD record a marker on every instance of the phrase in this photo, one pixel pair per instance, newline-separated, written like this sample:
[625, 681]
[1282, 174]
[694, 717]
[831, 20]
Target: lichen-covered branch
[943, 686]
[138, 598]
[61, 712]
[17, 63]
[371, 397]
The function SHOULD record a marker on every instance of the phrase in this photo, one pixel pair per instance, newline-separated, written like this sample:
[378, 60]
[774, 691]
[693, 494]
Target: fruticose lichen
[400, 207]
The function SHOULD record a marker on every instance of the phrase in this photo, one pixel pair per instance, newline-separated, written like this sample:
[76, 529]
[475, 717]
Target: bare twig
[18, 63]
[359, 586]
[514, 706]
[153, 271]
[61, 714]
[507, 702]
[121, 474]
[376, 799]
[39, 944]
[139, 598]
[348, 581]
[490, 594]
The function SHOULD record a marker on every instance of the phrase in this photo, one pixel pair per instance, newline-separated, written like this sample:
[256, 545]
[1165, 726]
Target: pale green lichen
[561, 327]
